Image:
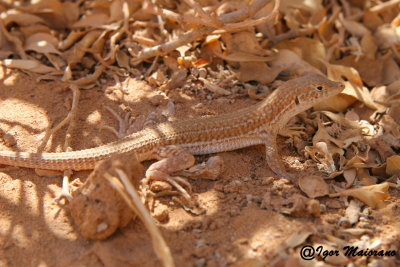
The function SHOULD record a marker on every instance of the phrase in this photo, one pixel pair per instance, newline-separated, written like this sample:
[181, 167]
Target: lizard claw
[123, 123]
[293, 131]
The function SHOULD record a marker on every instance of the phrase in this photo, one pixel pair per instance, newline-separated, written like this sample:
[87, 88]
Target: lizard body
[257, 124]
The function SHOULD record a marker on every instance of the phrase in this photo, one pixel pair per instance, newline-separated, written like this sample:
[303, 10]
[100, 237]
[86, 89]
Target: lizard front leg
[273, 158]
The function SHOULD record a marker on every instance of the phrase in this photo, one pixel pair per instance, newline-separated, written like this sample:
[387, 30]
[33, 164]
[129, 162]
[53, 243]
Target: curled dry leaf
[212, 38]
[72, 37]
[354, 27]
[387, 35]
[214, 88]
[322, 135]
[372, 195]
[76, 53]
[353, 211]
[297, 238]
[320, 154]
[42, 43]
[22, 19]
[93, 20]
[313, 186]
[26, 64]
[353, 84]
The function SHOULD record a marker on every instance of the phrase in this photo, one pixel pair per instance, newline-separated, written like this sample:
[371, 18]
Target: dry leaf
[353, 89]
[297, 238]
[370, 76]
[28, 65]
[76, 53]
[245, 42]
[353, 211]
[122, 59]
[354, 27]
[310, 50]
[257, 71]
[387, 35]
[291, 62]
[350, 176]
[369, 46]
[94, 20]
[393, 165]
[22, 19]
[372, 195]
[313, 186]
[214, 88]
[42, 43]
[243, 57]
[116, 10]
[390, 71]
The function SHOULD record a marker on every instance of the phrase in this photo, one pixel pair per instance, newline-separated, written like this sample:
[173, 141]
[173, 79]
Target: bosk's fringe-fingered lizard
[258, 124]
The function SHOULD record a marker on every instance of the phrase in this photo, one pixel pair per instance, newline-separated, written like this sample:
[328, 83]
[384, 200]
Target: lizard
[174, 143]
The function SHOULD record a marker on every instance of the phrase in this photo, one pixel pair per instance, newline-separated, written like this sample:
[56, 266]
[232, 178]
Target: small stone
[343, 221]
[313, 207]
[101, 227]
[267, 180]
[157, 100]
[322, 208]
[202, 73]
[195, 72]
[161, 213]
[200, 262]
[249, 198]
[334, 204]
[9, 140]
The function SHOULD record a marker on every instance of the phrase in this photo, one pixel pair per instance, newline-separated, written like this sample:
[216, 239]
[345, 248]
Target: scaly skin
[258, 124]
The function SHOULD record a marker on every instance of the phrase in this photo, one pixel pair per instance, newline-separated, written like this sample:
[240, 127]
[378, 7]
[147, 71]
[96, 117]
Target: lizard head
[313, 88]
[300, 94]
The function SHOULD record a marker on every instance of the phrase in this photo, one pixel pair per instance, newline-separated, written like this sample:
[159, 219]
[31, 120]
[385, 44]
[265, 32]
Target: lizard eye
[319, 88]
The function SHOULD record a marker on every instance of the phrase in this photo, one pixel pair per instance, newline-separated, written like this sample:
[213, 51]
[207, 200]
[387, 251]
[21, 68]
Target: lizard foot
[128, 125]
[291, 132]
[67, 188]
[123, 123]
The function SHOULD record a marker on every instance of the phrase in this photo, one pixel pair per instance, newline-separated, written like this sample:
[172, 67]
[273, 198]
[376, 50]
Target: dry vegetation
[345, 151]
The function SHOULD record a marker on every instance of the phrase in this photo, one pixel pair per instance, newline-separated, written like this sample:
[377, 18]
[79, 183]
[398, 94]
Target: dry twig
[228, 22]
[131, 197]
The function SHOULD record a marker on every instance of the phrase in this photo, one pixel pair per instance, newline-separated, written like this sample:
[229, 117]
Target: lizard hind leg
[171, 159]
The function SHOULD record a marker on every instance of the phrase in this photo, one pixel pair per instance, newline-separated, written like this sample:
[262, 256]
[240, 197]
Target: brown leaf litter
[69, 67]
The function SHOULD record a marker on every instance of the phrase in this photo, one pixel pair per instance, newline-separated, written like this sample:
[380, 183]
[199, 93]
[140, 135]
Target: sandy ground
[34, 231]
